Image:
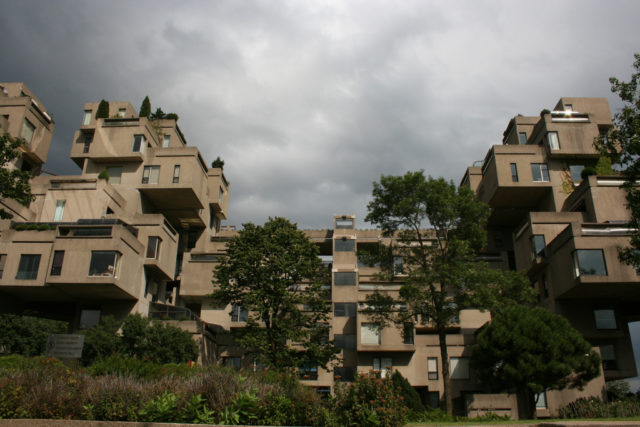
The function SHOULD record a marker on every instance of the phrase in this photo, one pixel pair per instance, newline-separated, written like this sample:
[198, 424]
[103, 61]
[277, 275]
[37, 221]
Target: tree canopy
[103, 110]
[530, 350]
[145, 108]
[27, 335]
[622, 144]
[14, 183]
[437, 229]
[274, 273]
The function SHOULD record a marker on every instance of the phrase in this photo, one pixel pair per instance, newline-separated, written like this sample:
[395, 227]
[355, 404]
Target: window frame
[598, 321]
[347, 309]
[461, 363]
[370, 330]
[113, 176]
[176, 174]
[148, 174]
[56, 263]
[58, 214]
[239, 314]
[344, 245]
[141, 143]
[384, 366]
[3, 262]
[343, 275]
[153, 242]
[87, 115]
[553, 140]
[514, 172]
[542, 170]
[520, 140]
[116, 263]
[166, 140]
[577, 267]
[30, 130]
[432, 368]
[28, 272]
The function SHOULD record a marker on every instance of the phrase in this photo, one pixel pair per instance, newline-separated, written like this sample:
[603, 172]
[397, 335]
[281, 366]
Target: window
[3, 260]
[89, 318]
[552, 139]
[344, 373]
[231, 362]
[608, 355]
[327, 260]
[344, 309]
[568, 107]
[121, 112]
[432, 368]
[115, 174]
[345, 341]
[407, 333]
[176, 174]
[28, 267]
[88, 139]
[433, 399]
[308, 371]
[541, 400]
[397, 265]
[239, 313]
[27, 131]
[165, 140]
[538, 245]
[514, 172]
[459, 368]
[150, 174]
[344, 223]
[540, 172]
[220, 193]
[56, 265]
[345, 245]
[59, 213]
[87, 117]
[589, 262]
[138, 143]
[370, 334]
[605, 319]
[153, 247]
[344, 278]
[522, 136]
[384, 365]
[103, 264]
[576, 173]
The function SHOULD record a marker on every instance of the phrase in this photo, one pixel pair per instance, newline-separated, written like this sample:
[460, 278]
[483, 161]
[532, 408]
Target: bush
[588, 171]
[596, 408]
[104, 175]
[370, 401]
[411, 397]
[27, 335]
[218, 163]
[101, 341]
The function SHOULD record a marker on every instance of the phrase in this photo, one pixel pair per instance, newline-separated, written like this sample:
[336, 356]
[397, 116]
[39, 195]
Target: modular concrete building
[138, 230]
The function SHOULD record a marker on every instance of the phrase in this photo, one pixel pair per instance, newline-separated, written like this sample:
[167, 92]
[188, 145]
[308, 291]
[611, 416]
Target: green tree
[274, 272]
[442, 272]
[218, 163]
[145, 108]
[27, 335]
[622, 144]
[101, 341]
[103, 110]
[530, 350]
[14, 183]
[158, 115]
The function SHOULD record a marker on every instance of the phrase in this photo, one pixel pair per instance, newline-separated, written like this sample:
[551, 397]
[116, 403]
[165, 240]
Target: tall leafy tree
[530, 350]
[145, 108]
[14, 183]
[273, 272]
[103, 110]
[622, 143]
[438, 230]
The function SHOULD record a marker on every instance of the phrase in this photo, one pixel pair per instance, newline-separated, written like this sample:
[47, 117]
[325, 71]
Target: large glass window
[115, 174]
[56, 265]
[165, 140]
[576, 173]
[345, 341]
[552, 139]
[3, 260]
[27, 130]
[346, 223]
[176, 174]
[59, 213]
[28, 267]
[432, 368]
[345, 245]
[407, 333]
[540, 172]
[384, 365]
[239, 313]
[589, 262]
[345, 309]
[150, 174]
[538, 245]
[87, 117]
[153, 247]
[88, 139]
[344, 278]
[103, 264]
[522, 136]
[138, 143]
[370, 333]
[605, 319]
[459, 368]
[89, 318]
[514, 172]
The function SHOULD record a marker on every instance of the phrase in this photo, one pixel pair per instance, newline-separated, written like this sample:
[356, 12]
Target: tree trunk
[526, 405]
[444, 356]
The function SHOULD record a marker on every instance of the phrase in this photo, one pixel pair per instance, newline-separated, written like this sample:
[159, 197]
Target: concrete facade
[138, 230]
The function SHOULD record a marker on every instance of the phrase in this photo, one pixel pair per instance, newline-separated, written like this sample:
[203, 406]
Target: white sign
[65, 346]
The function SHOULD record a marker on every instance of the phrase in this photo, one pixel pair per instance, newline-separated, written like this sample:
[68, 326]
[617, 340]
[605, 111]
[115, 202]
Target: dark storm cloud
[309, 102]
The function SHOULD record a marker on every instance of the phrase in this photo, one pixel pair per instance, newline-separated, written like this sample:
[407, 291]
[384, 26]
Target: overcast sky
[310, 102]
